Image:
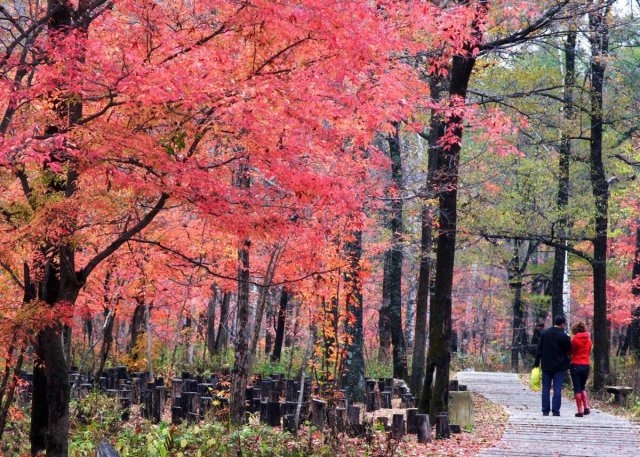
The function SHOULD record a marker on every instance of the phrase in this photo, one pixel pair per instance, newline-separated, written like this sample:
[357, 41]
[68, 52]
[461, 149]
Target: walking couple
[557, 352]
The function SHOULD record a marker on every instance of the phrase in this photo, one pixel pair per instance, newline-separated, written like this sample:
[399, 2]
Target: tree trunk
[211, 320]
[269, 326]
[137, 327]
[436, 131]
[564, 152]
[107, 339]
[519, 331]
[51, 351]
[353, 376]
[9, 384]
[395, 260]
[632, 339]
[241, 363]
[222, 340]
[384, 332]
[599, 40]
[282, 316]
[243, 340]
[410, 319]
[435, 393]
[147, 323]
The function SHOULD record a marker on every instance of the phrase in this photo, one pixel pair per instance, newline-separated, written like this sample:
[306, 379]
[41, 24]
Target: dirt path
[528, 433]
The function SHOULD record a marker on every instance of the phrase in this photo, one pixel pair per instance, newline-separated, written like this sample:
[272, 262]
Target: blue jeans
[557, 377]
[579, 376]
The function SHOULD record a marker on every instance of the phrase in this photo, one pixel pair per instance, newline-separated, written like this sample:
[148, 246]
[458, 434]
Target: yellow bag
[536, 378]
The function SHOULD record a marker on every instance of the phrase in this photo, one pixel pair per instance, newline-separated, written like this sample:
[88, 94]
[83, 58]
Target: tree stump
[291, 390]
[146, 398]
[397, 426]
[290, 407]
[340, 418]
[371, 401]
[412, 422]
[265, 387]
[255, 405]
[206, 403]
[263, 411]
[125, 403]
[157, 404]
[407, 401]
[288, 423]
[442, 425]
[386, 399]
[318, 408]
[423, 427]
[355, 426]
[176, 415]
[273, 413]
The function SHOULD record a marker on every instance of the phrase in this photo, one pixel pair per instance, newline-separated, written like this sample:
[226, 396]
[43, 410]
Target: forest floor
[95, 420]
[490, 420]
[528, 433]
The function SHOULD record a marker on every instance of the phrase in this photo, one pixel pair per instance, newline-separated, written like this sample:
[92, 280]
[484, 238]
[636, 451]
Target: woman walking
[579, 368]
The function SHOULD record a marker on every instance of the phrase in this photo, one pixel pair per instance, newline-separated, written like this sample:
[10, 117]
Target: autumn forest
[282, 227]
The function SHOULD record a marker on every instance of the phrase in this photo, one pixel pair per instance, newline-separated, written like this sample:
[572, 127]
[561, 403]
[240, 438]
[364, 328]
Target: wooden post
[442, 425]
[424, 428]
[355, 426]
[205, 405]
[371, 401]
[176, 414]
[289, 423]
[371, 385]
[340, 418]
[412, 422]
[157, 404]
[264, 411]
[273, 413]
[397, 426]
[318, 413]
[146, 397]
[386, 399]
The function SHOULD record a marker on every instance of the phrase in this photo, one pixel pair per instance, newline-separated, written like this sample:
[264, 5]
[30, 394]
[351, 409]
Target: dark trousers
[579, 375]
[557, 378]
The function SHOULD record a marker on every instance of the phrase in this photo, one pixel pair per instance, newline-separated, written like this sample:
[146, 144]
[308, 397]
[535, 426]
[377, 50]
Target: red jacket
[580, 348]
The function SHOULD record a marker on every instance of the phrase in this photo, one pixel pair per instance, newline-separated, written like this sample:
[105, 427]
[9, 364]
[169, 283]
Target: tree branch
[12, 273]
[547, 241]
[523, 34]
[124, 237]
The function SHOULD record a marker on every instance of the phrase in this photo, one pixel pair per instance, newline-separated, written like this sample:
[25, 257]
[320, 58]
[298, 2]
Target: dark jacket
[553, 350]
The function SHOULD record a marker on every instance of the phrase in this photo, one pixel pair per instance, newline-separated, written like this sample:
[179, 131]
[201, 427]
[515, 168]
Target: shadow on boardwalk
[528, 433]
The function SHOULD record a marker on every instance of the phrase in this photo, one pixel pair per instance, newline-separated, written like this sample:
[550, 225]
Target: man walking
[553, 350]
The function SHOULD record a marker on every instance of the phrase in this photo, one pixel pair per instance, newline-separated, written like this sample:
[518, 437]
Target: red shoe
[585, 400]
[579, 405]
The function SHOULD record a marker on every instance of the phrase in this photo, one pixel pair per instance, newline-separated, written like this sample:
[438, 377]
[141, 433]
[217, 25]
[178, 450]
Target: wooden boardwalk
[528, 433]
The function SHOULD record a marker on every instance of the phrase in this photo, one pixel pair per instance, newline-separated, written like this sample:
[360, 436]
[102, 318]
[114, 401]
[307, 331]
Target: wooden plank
[528, 433]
